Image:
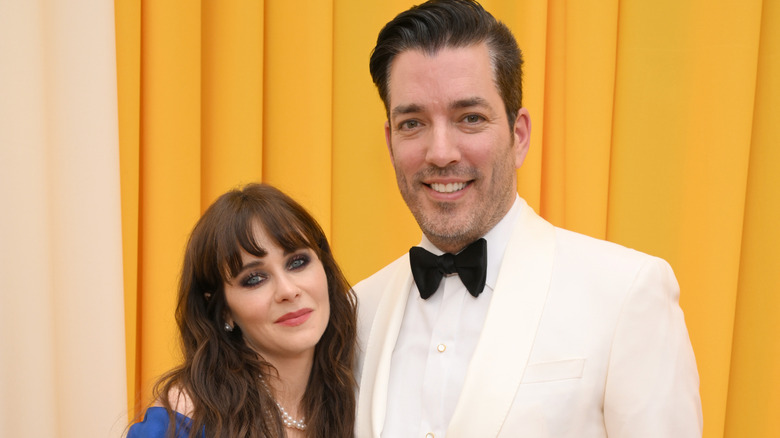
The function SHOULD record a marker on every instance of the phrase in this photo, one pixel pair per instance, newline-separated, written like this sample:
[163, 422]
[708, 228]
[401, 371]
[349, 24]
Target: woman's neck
[289, 387]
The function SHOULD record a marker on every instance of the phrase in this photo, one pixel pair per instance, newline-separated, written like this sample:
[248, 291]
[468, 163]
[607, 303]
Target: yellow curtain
[655, 125]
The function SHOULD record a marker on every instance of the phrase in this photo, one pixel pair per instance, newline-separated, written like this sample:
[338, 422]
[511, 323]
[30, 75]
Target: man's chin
[447, 234]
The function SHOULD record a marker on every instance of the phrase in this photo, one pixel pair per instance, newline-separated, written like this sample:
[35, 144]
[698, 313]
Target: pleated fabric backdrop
[62, 342]
[655, 125]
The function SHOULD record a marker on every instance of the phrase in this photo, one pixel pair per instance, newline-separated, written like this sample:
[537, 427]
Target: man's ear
[388, 140]
[522, 134]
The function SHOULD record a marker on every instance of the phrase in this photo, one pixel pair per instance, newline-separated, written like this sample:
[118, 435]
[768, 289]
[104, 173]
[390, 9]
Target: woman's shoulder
[157, 419]
[156, 423]
[179, 400]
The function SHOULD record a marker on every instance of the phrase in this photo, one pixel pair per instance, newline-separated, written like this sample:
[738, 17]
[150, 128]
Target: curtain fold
[170, 172]
[684, 101]
[297, 120]
[127, 17]
[754, 383]
[653, 126]
[232, 35]
[62, 354]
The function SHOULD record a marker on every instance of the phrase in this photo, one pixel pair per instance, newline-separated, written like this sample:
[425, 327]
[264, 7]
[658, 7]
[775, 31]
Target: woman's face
[280, 301]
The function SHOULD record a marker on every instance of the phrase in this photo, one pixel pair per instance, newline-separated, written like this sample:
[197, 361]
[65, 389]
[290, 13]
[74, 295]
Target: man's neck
[456, 244]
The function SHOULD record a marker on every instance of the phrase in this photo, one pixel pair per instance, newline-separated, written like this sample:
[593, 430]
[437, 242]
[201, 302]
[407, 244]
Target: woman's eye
[298, 262]
[252, 280]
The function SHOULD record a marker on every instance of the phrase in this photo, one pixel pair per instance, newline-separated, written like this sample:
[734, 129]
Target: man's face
[450, 143]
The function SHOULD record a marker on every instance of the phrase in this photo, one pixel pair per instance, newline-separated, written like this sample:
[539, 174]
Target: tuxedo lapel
[496, 369]
[379, 350]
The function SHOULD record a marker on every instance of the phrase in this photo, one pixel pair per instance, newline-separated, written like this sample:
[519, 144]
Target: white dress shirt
[435, 344]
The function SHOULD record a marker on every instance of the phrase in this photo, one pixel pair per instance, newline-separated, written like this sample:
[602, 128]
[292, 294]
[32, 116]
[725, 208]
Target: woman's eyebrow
[253, 264]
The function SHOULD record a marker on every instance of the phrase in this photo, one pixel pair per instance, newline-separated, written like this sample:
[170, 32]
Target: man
[562, 335]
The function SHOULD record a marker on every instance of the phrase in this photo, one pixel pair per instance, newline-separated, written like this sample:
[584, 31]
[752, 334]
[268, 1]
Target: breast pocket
[555, 370]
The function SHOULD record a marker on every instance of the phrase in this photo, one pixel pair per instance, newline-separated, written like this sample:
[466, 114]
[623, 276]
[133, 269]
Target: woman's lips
[294, 318]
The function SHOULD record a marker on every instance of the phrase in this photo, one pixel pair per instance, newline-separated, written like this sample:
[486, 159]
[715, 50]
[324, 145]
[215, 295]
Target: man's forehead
[418, 53]
[451, 78]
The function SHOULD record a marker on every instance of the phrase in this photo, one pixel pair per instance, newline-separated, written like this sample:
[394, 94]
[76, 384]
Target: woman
[267, 323]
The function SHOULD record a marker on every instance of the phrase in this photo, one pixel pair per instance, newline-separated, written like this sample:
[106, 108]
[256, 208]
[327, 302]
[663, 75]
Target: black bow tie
[470, 264]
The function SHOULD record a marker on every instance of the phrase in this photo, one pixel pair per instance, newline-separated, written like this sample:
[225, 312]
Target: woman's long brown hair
[223, 376]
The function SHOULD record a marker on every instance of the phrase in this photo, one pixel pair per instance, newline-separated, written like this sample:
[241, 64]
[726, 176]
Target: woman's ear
[229, 324]
[228, 317]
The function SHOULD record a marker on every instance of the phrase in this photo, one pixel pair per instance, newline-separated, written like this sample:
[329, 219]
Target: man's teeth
[448, 188]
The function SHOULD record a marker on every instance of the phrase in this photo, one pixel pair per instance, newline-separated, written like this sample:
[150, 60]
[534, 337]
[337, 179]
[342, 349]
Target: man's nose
[443, 148]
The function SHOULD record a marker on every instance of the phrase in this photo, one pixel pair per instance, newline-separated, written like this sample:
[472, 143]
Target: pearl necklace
[289, 421]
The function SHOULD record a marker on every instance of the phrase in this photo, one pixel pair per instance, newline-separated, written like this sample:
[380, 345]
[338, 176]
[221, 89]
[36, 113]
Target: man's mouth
[449, 187]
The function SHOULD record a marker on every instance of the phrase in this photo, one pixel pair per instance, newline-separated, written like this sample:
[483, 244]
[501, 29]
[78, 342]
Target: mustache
[458, 170]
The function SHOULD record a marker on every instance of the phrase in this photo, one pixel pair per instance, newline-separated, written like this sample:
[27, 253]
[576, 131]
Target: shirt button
[428, 435]
[440, 348]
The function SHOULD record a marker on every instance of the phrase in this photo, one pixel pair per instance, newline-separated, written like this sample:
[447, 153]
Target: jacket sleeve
[652, 387]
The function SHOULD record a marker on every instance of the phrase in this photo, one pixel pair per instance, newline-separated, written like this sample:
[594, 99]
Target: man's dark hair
[438, 24]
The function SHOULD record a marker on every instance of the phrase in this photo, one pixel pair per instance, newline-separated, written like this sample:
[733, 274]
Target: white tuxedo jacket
[583, 338]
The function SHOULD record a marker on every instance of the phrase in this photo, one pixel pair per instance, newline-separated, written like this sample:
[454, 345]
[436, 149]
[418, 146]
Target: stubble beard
[449, 226]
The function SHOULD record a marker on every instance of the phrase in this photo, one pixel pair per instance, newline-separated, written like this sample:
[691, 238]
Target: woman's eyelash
[298, 261]
[252, 279]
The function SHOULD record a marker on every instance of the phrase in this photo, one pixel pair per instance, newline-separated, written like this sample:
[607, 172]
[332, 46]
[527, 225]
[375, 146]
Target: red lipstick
[294, 318]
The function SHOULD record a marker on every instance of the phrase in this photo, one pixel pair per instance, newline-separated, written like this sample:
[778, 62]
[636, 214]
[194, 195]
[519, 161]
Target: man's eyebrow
[401, 110]
[470, 102]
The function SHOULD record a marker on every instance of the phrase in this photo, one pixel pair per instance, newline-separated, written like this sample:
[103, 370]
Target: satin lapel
[497, 367]
[379, 350]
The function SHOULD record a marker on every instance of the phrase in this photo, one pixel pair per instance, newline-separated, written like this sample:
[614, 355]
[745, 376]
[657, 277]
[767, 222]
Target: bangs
[283, 227]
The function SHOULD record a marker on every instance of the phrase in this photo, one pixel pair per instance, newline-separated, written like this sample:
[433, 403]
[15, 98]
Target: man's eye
[409, 124]
[472, 118]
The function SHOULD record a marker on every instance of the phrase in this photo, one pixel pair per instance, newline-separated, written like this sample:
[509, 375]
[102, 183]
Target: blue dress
[155, 425]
